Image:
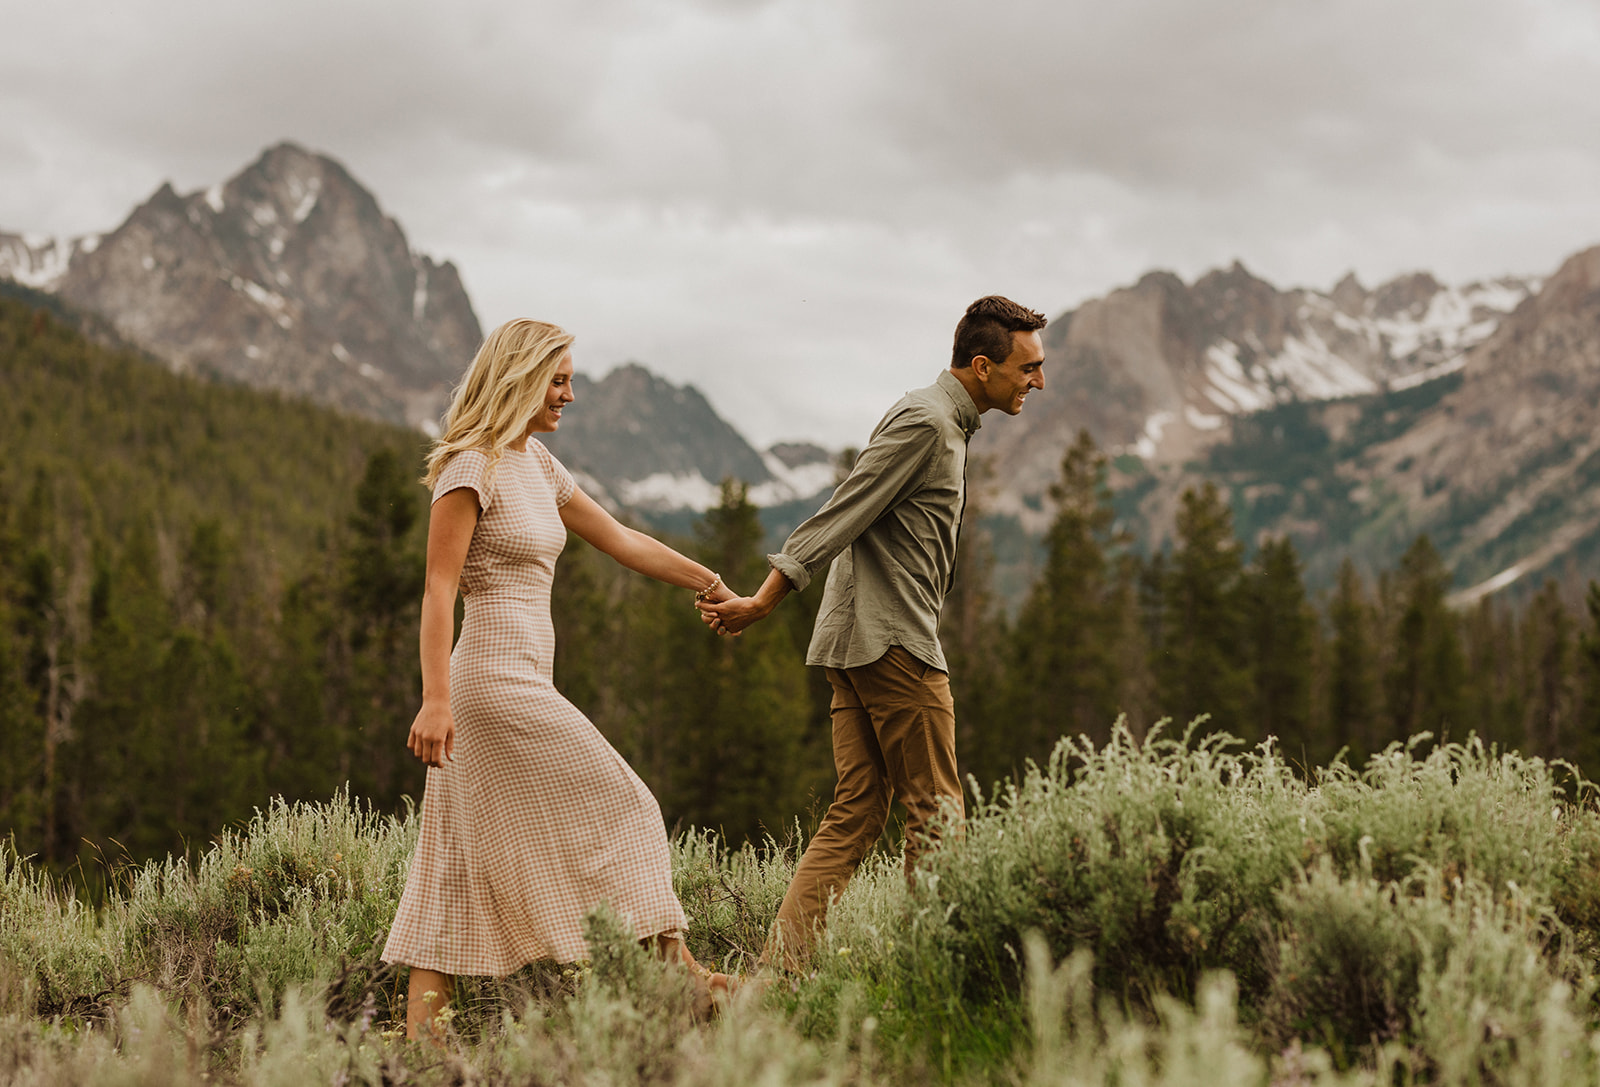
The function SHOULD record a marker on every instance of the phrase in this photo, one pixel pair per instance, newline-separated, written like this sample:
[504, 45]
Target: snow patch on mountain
[670, 491]
[419, 294]
[304, 191]
[40, 261]
[1328, 353]
[791, 482]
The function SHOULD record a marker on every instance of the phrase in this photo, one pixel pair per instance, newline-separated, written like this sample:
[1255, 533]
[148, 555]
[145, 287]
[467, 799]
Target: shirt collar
[966, 410]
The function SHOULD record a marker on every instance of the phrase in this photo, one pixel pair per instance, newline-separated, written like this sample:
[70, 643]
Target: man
[893, 525]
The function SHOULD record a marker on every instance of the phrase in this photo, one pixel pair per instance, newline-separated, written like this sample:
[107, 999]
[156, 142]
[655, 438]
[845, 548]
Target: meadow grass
[1172, 911]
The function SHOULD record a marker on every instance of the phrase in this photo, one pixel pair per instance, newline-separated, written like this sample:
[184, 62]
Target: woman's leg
[711, 990]
[428, 994]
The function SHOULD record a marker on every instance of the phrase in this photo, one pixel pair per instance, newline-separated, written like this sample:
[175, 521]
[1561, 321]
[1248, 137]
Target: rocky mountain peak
[1349, 295]
[1159, 369]
[1407, 295]
[286, 276]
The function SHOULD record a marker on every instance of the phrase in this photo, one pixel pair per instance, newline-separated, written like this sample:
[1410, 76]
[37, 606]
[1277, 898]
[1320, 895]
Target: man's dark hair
[987, 327]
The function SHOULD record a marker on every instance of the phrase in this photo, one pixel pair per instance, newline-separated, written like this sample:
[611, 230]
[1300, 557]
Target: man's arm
[889, 469]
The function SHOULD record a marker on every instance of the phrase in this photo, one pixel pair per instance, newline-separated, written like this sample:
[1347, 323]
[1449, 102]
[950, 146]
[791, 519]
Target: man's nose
[1038, 379]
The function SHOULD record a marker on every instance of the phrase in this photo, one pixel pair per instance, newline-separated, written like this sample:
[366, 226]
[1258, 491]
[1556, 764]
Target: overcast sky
[789, 202]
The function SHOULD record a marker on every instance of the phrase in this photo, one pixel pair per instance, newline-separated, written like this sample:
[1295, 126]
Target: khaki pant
[894, 736]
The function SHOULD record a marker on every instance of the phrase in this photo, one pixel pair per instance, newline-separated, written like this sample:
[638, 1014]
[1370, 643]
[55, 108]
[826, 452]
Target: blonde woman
[530, 819]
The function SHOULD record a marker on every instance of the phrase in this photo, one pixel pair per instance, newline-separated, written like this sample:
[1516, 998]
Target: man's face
[1008, 383]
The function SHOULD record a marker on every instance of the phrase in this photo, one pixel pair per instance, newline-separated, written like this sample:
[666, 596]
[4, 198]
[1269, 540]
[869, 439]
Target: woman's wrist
[710, 590]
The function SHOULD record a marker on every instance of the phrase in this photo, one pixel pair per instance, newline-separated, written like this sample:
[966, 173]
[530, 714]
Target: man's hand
[732, 616]
[433, 734]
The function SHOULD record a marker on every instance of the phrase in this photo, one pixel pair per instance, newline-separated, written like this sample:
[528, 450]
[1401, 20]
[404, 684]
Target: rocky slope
[288, 276]
[1478, 426]
[1505, 469]
[1159, 369]
[647, 444]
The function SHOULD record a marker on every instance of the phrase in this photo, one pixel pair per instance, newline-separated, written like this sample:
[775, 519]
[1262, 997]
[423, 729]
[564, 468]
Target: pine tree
[1279, 621]
[1201, 666]
[1063, 667]
[22, 730]
[1549, 725]
[1587, 727]
[1494, 694]
[1352, 688]
[381, 591]
[736, 708]
[1427, 671]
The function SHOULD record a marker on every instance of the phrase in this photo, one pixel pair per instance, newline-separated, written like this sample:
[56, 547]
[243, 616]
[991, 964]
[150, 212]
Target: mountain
[288, 276]
[649, 445]
[1505, 470]
[1157, 370]
[1351, 421]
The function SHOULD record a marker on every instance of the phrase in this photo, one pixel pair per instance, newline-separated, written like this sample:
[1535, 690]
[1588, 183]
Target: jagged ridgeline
[208, 595]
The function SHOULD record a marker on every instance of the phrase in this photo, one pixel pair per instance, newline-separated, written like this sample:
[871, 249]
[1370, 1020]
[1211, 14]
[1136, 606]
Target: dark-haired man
[890, 531]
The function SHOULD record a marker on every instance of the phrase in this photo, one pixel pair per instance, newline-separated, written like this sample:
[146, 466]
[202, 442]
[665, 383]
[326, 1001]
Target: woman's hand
[719, 595]
[433, 734]
[732, 614]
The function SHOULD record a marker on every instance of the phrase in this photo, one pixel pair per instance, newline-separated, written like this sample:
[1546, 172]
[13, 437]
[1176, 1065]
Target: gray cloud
[788, 202]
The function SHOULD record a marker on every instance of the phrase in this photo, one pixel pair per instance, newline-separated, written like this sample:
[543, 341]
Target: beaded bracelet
[704, 594]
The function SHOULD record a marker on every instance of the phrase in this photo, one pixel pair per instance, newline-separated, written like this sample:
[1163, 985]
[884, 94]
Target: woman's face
[556, 397]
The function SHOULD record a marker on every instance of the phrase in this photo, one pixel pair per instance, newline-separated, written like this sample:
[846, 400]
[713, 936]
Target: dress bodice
[519, 533]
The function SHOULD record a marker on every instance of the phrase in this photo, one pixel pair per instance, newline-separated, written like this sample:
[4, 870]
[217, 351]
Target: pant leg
[853, 822]
[914, 718]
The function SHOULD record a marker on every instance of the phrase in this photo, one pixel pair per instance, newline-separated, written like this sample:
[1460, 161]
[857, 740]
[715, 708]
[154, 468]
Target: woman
[530, 819]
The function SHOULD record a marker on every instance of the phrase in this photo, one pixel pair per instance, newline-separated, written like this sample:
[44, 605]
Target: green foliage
[1424, 680]
[1062, 658]
[1351, 683]
[1278, 623]
[1217, 919]
[1201, 665]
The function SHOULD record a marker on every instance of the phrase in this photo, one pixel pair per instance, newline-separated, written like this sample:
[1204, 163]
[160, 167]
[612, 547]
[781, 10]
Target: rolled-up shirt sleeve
[893, 463]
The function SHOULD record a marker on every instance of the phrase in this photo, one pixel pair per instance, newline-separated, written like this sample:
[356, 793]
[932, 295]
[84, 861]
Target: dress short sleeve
[465, 469]
[561, 481]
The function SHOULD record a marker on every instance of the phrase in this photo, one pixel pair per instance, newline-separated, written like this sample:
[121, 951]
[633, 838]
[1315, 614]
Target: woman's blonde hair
[503, 388]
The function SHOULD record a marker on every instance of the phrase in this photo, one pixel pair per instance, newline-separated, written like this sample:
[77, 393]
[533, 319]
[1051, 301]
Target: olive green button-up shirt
[890, 531]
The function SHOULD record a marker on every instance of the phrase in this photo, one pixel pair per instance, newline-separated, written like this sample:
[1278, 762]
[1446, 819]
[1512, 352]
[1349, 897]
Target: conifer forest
[210, 598]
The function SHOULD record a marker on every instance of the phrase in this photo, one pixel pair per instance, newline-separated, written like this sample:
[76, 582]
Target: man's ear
[981, 366]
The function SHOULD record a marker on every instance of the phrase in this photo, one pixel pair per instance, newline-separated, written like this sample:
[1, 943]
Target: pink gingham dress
[537, 820]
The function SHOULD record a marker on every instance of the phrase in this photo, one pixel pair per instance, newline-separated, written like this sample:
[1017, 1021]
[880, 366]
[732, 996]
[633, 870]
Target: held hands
[731, 615]
[433, 734]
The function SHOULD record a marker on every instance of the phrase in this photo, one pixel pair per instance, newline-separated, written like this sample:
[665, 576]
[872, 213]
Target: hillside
[204, 594]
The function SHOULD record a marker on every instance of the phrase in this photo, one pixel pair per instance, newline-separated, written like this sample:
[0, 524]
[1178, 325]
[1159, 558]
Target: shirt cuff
[798, 576]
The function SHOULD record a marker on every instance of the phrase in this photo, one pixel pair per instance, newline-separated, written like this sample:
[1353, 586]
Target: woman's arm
[638, 552]
[450, 526]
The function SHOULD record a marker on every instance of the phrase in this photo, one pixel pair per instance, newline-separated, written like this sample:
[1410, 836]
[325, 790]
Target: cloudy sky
[789, 202]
